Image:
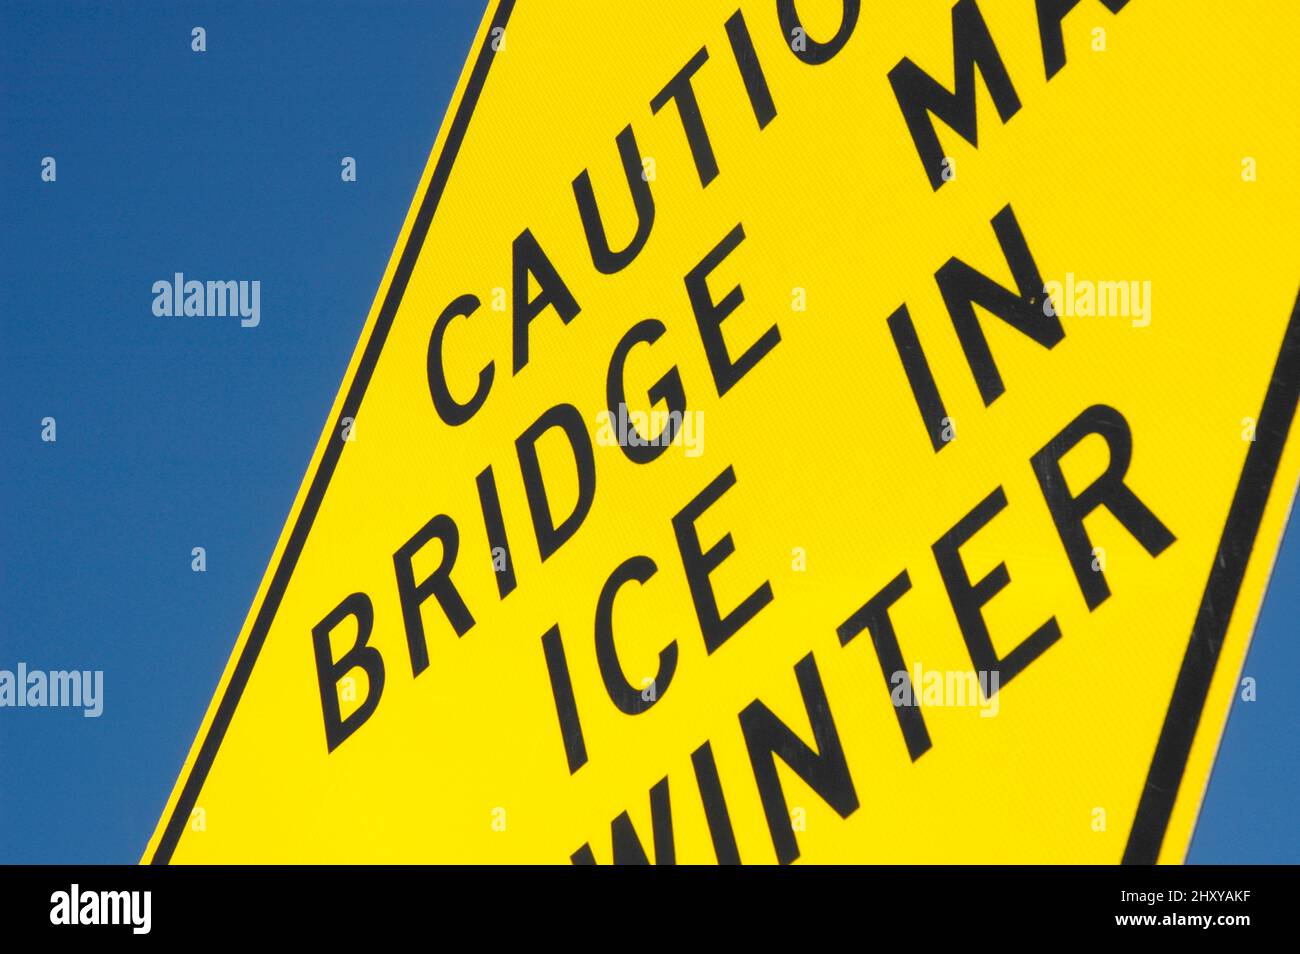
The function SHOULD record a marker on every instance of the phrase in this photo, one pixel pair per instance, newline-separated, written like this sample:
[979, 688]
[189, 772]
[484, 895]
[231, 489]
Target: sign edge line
[1214, 615]
[464, 110]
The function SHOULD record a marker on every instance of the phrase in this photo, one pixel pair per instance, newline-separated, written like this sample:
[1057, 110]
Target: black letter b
[329, 671]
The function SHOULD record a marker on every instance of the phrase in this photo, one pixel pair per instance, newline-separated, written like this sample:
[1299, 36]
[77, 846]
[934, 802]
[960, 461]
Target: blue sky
[175, 434]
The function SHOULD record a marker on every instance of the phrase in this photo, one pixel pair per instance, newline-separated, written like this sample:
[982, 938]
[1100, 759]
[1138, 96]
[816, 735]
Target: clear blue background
[174, 434]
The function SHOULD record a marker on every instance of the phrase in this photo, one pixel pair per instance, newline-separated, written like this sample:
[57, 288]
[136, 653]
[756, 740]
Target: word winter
[196, 299]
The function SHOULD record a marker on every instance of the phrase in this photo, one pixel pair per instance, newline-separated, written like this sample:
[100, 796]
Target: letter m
[920, 95]
[223, 299]
[115, 907]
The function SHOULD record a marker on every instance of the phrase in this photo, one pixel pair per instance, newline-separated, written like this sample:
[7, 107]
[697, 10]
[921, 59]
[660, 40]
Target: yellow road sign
[819, 430]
